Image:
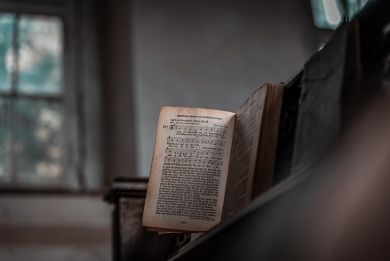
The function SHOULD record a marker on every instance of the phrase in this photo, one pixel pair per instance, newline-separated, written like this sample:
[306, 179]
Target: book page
[189, 169]
[244, 151]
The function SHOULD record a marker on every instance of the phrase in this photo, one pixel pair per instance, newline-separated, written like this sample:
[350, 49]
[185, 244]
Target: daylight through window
[32, 138]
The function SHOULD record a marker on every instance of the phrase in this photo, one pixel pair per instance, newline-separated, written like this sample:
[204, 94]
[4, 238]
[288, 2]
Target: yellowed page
[189, 169]
[244, 151]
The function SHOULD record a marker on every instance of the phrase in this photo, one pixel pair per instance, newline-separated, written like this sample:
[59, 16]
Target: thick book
[207, 164]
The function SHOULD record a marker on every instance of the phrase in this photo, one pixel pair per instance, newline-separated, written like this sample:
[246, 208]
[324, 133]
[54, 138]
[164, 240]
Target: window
[354, 6]
[51, 136]
[328, 14]
[32, 129]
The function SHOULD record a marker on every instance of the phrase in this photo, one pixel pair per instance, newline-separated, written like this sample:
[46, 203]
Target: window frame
[83, 160]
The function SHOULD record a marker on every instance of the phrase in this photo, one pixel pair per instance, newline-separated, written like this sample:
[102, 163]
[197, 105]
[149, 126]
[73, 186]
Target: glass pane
[327, 13]
[5, 139]
[40, 55]
[7, 22]
[40, 142]
[354, 7]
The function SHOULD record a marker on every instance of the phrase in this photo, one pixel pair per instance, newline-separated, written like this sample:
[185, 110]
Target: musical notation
[196, 152]
[196, 129]
[216, 162]
[219, 142]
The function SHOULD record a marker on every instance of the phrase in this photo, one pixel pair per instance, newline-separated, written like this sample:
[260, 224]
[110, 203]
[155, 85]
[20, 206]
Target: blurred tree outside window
[32, 116]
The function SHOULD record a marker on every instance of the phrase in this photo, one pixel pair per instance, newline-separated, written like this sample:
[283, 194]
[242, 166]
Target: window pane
[7, 22]
[5, 139]
[326, 13]
[40, 142]
[40, 55]
[354, 7]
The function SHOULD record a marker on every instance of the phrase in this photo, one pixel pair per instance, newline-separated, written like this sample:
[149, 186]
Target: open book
[207, 164]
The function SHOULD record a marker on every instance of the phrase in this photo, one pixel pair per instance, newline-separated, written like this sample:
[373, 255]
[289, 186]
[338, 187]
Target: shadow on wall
[211, 54]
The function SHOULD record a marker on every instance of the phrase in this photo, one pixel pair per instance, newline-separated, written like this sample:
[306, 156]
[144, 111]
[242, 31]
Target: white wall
[55, 228]
[211, 54]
